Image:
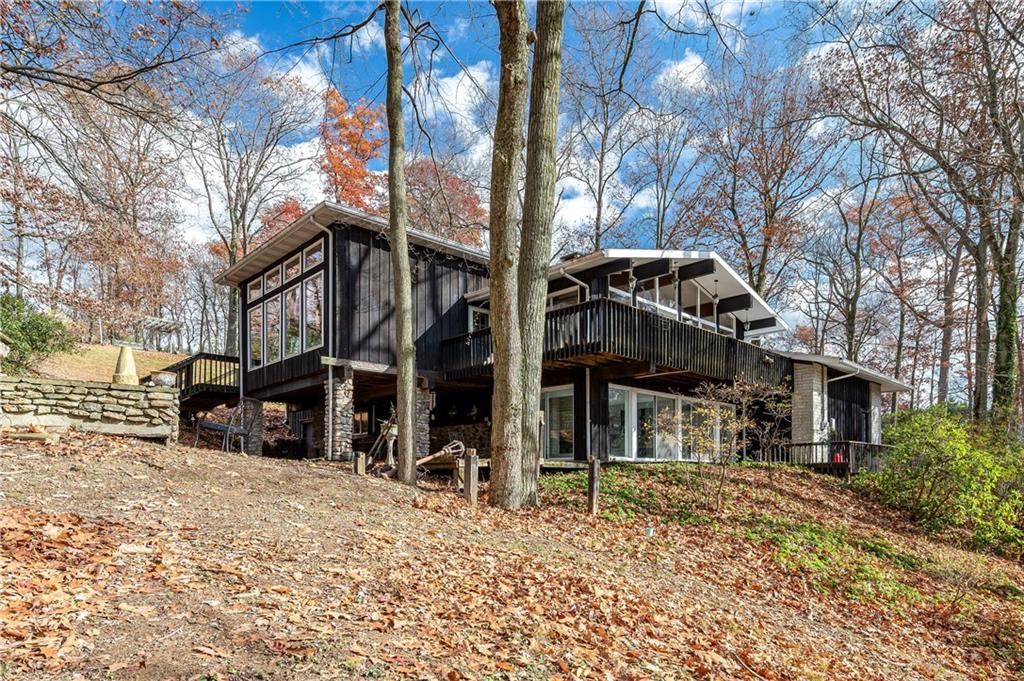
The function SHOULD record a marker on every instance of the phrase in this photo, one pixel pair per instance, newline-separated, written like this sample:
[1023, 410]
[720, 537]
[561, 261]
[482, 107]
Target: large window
[292, 321]
[255, 337]
[314, 308]
[658, 426]
[272, 314]
[558, 423]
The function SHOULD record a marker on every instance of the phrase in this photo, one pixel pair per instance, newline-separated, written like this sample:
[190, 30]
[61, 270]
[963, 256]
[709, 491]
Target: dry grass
[96, 363]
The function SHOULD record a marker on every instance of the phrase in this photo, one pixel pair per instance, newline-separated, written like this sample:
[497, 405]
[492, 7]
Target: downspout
[329, 415]
[574, 280]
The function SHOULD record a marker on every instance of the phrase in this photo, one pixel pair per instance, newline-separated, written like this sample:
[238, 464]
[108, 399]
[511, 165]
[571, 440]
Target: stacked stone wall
[132, 410]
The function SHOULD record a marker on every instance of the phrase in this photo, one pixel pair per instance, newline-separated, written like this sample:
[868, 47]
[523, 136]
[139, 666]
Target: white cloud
[688, 73]
[369, 38]
[456, 100]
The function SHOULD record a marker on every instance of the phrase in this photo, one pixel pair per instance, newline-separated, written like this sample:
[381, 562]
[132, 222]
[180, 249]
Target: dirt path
[129, 561]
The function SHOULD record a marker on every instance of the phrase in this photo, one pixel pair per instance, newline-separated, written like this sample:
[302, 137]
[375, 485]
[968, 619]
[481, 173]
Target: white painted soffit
[845, 366]
[324, 214]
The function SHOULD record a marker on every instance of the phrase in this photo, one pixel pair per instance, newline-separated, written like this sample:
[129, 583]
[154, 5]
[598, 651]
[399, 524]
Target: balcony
[601, 330]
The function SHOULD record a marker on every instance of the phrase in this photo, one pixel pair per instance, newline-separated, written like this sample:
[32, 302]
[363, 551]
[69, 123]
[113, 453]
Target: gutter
[573, 279]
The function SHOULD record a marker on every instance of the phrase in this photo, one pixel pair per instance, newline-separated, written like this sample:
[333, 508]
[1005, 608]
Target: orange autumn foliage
[276, 218]
[352, 136]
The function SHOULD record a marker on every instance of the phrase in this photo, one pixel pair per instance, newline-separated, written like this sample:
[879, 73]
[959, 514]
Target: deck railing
[206, 372]
[603, 326]
[846, 456]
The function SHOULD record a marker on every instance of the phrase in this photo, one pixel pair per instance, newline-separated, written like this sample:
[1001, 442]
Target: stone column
[252, 412]
[340, 413]
[422, 422]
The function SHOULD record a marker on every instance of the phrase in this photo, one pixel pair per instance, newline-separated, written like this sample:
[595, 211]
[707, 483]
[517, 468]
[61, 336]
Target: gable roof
[846, 366]
[316, 221]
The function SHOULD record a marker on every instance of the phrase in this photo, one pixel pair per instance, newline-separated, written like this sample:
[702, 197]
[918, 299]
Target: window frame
[305, 322]
[478, 309]
[297, 259]
[284, 320]
[276, 269]
[263, 337]
[318, 244]
[277, 298]
[631, 427]
[257, 282]
[360, 431]
[567, 390]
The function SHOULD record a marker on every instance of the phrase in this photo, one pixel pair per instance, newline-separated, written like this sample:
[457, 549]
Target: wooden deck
[601, 330]
[206, 380]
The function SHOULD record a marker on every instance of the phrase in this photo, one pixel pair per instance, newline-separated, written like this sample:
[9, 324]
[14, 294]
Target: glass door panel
[646, 426]
[668, 440]
[618, 423]
[558, 419]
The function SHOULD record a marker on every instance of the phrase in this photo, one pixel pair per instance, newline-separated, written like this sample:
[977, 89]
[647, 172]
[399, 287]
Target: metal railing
[205, 372]
[839, 456]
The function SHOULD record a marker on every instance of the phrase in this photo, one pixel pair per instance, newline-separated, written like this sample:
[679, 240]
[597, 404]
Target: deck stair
[205, 381]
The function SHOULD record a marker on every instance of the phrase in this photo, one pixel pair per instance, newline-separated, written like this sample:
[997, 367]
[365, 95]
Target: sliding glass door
[644, 425]
[558, 423]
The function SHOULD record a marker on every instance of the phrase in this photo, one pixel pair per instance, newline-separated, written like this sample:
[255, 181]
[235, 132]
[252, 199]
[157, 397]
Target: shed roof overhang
[851, 369]
[315, 221]
[704, 268]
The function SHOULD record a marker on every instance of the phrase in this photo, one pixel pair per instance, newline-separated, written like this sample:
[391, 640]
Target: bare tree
[247, 118]
[538, 216]
[507, 402]
[405, 349]
[604, 117]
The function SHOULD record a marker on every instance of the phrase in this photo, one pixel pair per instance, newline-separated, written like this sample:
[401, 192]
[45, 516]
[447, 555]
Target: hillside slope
[97, 362]
[139, 562]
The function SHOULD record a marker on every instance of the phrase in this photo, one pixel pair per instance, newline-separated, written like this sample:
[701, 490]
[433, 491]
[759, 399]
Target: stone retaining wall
[131, 410]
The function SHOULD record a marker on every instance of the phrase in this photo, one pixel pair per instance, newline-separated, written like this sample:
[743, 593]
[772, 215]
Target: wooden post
[471, 478]
[359, 463]
[593, 484]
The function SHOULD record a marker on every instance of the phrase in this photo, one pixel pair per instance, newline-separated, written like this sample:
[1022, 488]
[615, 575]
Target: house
[629, 334]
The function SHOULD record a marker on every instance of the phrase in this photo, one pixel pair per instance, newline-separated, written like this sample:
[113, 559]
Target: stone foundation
[252, 411]
[473, 435]
[422, 422]
[340, 413]
[132, 410]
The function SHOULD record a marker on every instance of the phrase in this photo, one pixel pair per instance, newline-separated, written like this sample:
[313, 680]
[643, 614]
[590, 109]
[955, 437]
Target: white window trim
[263, 338]
[631, 425]
[267, 288]
[305, 252]
[284, 269]
[476, 308]
[280, 328]
[544, 392]
[323, 320]
[258, 281]
[284, 321]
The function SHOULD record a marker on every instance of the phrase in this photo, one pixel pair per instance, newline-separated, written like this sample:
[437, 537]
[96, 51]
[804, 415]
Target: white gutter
[576, 281]
[839, 378]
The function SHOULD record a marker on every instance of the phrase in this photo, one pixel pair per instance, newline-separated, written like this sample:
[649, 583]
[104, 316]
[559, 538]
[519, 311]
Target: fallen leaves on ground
[119, 557]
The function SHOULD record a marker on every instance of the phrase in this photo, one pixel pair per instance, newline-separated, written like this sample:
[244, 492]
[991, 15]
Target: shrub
[33, 335]
[947, 472]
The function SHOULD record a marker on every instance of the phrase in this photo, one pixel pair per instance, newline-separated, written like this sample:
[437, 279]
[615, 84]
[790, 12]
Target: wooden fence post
[593, 484]
[471, 476]
[359, 464]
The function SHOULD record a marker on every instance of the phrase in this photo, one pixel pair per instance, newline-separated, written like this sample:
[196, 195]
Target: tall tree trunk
[948, 321]
[1005, 367]
[538, 213]
[507, 402]
[901, 331]
[983, 287]
[405, 349]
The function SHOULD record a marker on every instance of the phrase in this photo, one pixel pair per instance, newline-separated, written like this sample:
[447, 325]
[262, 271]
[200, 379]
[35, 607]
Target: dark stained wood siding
[849, 404]
[367, 315]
